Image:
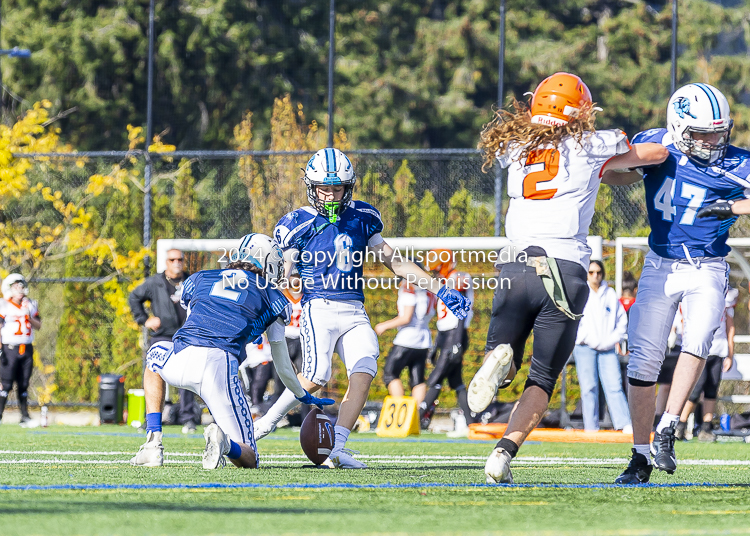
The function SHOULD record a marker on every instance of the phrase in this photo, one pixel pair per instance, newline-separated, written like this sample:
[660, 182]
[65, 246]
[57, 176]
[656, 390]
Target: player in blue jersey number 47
[692, 198]
[226, 310]
[327, 241]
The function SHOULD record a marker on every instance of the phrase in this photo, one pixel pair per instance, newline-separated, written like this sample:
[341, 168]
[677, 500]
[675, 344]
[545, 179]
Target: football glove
[721, 209]
[259, 340]
[311, 400]
[455, 301]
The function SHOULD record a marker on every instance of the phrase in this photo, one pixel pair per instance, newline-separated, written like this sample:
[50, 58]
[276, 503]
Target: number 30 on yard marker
[399, 417]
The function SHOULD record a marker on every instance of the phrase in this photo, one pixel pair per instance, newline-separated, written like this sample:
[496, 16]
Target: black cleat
[679, 432]
[662, 449]
[637, 472]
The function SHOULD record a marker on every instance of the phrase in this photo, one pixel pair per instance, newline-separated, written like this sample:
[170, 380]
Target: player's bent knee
[640, 383]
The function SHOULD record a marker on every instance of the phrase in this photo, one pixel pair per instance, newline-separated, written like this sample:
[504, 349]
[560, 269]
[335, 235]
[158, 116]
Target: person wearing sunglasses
[163, 318]
[603, 326]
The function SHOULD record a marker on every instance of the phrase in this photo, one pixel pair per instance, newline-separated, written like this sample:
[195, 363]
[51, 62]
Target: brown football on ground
[316, 436]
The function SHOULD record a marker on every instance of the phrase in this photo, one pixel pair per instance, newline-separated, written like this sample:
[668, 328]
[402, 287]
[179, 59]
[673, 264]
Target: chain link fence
[226, 195]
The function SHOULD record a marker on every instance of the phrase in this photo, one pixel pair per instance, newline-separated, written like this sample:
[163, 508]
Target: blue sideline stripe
[714, 103]
[437, 485]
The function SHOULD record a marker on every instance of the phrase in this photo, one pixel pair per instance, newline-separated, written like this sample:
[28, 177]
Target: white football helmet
[329, 167]
[263, 252]
[703, 109]
[9, 291]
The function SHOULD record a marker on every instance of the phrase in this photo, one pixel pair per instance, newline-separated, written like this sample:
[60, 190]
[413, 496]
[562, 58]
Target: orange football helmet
[558, 98]
[441, 261]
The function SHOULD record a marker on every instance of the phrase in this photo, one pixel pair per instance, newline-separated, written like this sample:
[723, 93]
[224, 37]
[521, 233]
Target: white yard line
[185, 457]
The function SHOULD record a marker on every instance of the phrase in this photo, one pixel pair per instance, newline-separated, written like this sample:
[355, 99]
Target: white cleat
[343, 459]
[217, 445]
[497, 468]
[483, 387]
[151, 453]
[262, 427]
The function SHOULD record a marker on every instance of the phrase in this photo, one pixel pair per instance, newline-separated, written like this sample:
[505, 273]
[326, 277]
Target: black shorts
[452, 345]
[708, 383]
[401, 357]
[16, 367]
[667, 367]
[524, 305]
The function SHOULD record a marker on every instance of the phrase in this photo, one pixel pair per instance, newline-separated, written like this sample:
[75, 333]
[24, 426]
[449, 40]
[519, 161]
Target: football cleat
[483, 387]
[188, 428]
[217, 445]
[662, 449]
[262, 427]
[679, 431]
[343, 459]
[497, 468]
[151, 453]
[637, 472]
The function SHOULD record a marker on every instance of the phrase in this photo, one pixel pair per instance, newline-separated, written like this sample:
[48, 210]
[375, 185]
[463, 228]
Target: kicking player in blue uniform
[692, 200]
[226, 309]
[327, 241]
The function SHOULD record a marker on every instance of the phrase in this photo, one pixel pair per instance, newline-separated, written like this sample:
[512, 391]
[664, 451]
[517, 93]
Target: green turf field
[64, 480]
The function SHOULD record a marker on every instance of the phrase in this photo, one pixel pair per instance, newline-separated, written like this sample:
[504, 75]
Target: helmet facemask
[328, 209]
[701, 152]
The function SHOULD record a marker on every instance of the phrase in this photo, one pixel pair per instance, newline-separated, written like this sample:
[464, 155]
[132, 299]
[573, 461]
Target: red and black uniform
[17, 359]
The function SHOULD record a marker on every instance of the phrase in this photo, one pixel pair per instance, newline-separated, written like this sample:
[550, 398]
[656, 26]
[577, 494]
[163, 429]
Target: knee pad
[640, 383]
[368, 365]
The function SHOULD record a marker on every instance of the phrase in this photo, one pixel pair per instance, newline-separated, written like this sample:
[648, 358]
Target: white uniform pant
[663, 283]
[341, 326]
[211, 374]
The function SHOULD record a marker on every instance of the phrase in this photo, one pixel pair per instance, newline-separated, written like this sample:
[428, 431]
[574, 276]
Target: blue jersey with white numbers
[227, 309]
[677, 189]
[330, 255]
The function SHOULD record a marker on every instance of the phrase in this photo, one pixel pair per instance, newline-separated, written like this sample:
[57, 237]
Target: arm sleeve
[188, 288]
[139, 295]
[281, 359]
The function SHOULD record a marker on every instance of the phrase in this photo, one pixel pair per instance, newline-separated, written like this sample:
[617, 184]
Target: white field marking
[174, 457]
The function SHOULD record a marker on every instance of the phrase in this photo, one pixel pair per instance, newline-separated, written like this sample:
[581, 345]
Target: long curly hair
[513, 128]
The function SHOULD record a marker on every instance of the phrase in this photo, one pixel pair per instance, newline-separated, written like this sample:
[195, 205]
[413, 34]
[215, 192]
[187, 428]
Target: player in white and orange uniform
[415, 307]
[555, 160]
[452, 339]
[20, 317]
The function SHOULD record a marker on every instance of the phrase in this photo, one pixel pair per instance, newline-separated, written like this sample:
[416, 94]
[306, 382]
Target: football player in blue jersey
[692, 199]
[226, 309]
[327, 241]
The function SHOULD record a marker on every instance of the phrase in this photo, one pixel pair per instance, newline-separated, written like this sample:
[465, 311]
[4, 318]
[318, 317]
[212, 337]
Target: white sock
[285, 403]
[645, 450]
[666, 420]
[342, 434]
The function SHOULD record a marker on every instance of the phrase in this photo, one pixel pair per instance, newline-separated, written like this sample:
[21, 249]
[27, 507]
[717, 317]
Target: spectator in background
[720, 358]
[19, 317]
[603, 326]
[629, 291]
[163, 291]
[415, 307]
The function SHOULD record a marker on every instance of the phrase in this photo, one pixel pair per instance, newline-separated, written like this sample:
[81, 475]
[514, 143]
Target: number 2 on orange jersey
[550, 158]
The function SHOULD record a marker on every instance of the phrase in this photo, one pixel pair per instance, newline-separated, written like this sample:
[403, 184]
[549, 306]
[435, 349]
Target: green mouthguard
[331, 208]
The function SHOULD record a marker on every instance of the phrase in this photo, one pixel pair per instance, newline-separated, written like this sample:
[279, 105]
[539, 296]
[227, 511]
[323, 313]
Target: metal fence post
[331, 53]
[500, 91]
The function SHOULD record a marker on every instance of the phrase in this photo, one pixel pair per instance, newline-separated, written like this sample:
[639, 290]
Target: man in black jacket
[167, 316]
